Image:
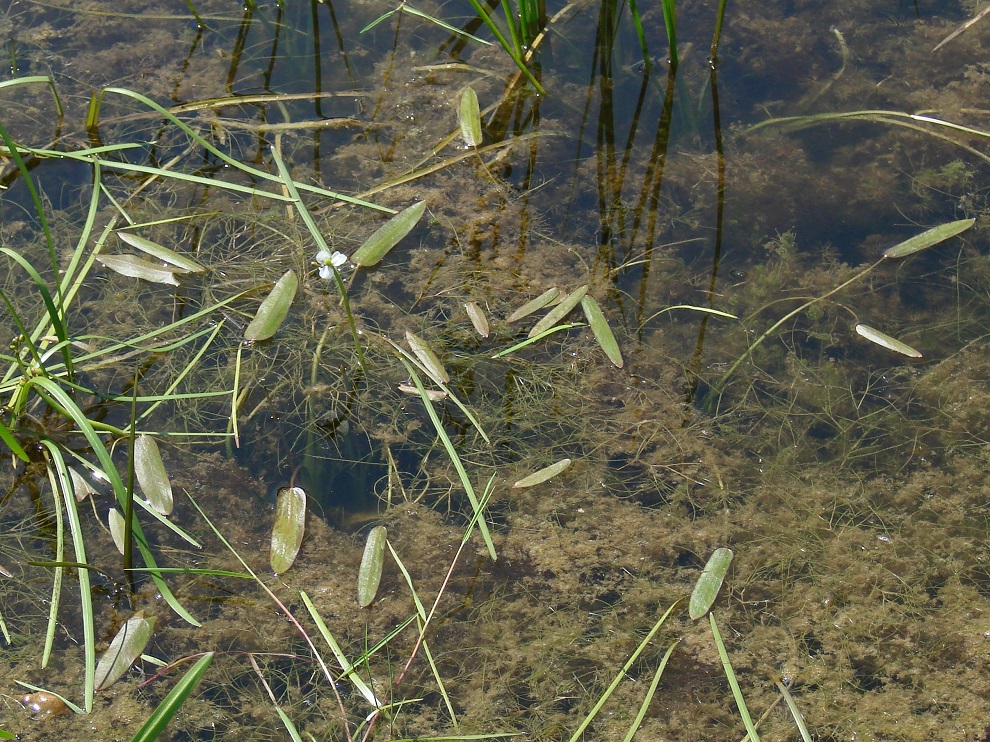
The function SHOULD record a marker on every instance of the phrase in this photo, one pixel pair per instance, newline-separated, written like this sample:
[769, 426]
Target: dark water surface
[850, 481]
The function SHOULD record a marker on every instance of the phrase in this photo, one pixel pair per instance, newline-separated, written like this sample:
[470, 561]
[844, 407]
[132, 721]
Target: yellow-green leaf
[388, 236]
[372, 561]
[290, 525]
[603, 333]
[124, 649]
[560, 311]
[928, 238]
[427, 357]
[135, 267]
[547, 472]
[886, 341]
[707, 587]
[151, 475]
[116, 523]
[534, 305]
[469, 117]
[273, 309]
[180, 261]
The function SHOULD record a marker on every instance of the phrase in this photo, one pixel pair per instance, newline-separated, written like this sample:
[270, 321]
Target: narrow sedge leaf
[478, 318]
[290, 525]
[116, 522]
[388, 236]
[603, 333]
[180, 261]
[710, 582]
[929, 238]
[539, 477]
[135, 267]
[151, 475]
[273, 309]
[560, 311]
[469, 117]
[370, 572]
[125, 648]
[534, 305]
[158, 720]
[427, 357]
[886, 341]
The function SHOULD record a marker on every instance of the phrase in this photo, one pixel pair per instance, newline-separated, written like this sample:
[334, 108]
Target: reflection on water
[850, 482]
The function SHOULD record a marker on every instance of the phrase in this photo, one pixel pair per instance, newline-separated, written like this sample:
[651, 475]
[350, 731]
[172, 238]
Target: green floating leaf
[539, 477]
[534, 305]
[469, 117]
[180, 261]
[929, 238]
[886, 341]
[135, 267]
[388, 236]
[478, 318]
[372, 561]
[560, 311]
[151, 475]
[116, 523]
[710, 582]
[427, 357]
[125, 648]
[273, 309]
[290, 525]
[603, 333]
[161, 716]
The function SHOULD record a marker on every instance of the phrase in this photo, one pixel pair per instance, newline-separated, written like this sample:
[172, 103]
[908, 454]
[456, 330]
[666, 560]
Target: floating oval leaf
[370, 572]
[388, 235]
[929, 238]
[560, 311]
[710, 582]
[603, 333]
[427, 357]
[125, 648]
[151, 475]
[273, 309]
[81, 486]
[116, 523]
[135, 267]
[534, 305]
[290, 525]
[547, 472]
[469, 117]
[180, 261]
[478, 318]
[884, 340]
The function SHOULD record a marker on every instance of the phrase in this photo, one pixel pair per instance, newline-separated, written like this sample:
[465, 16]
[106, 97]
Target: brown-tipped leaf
[125, 648]
[151, 475]
[388, 236]
[180, 261]
[710, 582]
[290, 525]
[372, 561]
[603, 333]
[534, 305]
[560, 311]
[273, 309]
[886, 341]
[469, 117]
[928, 238]
[427, 357]
[539, 477]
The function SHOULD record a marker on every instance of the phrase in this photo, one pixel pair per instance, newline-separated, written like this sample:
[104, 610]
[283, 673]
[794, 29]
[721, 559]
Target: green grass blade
[795, 712]
[161, 716]
[8, 437]
[538, 337]
[509, 49]
[928, 238]
[650, 693]
[670, 25]
[58, 493]
[733, 683]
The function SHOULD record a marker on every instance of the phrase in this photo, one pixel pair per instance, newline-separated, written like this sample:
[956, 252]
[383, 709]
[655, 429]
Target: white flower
[327, 261]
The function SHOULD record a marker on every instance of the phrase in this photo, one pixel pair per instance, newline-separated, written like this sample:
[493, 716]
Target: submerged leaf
[151, 475]
[116, 523]
[180, 261]
[886, 341]
[539, 477]
[710, 582]
[469, 117]
[427, 357]
[560, 311]
[434, 395]
[478, 318]
[372, 561]
[135, 267]
[388, 235]
[125, 648]
[928, 238]
[603, 333]
[534, 305]
[273, 309]
[290, 525]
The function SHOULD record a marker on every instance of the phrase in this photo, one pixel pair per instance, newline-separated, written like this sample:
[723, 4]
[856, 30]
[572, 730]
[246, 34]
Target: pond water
[711, 212]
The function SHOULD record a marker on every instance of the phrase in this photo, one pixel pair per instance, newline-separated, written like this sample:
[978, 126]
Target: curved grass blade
[537, 338]
[560, 311]
[707, 587]
[795, 712]
[372, 562]
[151, 475]
[541, 476]
[928, 238]
[534, 305]
[886, 341]
[651, 692]
[162, 253]
[469, 117]
[289, 528]
[124, 649]
[273, 309]
[161, 716]
[428, 358]
[733, 683]
[134, 267]
[388, 235]
[603, 333]
[15, 447]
